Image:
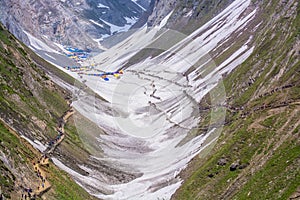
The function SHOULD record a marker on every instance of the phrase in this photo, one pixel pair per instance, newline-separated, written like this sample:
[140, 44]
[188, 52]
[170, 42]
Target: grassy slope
[63, 187]
[11, 145]
[25, 92]
[266, 141]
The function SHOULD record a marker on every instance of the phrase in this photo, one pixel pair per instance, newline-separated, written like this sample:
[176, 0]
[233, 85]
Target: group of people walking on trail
[277, 89]
[29, 193]
[56, 139]
[262, 107]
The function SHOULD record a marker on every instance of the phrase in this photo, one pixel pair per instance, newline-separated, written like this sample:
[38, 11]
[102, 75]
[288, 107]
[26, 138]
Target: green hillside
[30, 105]
[257, 155]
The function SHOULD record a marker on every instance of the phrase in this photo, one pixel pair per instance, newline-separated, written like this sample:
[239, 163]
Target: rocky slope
[162, 65]
[186, 16]
[30, 107]
[221, 99]
[257, 155]
[70, 22]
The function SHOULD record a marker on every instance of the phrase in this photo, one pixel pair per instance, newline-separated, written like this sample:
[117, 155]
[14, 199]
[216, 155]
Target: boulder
[222, 162]
[243, 166]
[210, 175]
[234, 166]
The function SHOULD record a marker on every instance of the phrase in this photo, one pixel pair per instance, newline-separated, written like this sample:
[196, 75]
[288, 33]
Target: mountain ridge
[243, 96]
[64, 22]
[30, 106]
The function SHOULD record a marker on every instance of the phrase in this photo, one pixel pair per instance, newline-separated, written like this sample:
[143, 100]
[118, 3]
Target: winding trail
[42, 162]
[61, 131]
[44, 183]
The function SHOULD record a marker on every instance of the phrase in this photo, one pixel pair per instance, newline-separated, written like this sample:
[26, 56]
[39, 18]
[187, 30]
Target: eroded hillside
[30, 107]
[167, 107]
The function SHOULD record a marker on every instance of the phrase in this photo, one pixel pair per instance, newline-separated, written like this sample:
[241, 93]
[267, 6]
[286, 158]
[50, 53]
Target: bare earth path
[38, 165]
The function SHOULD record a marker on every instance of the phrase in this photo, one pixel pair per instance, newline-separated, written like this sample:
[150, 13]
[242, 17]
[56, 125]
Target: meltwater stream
[151, 113]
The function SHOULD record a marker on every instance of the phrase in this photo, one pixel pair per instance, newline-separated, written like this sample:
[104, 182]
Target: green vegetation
[49, 67]
[65, 188]
[72, 135]
[35, 104]
[12, 146]
[263, 137]
[23, 91]
[278, 179]
[249, 147]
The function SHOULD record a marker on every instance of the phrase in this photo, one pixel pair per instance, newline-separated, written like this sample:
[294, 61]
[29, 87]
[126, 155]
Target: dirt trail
[61, 131]
[44, 183]
[38, 165]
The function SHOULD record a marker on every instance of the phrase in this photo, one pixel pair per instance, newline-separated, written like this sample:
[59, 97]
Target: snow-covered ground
[36, 144]
[153, 108]
[37, 44]
[118, 29]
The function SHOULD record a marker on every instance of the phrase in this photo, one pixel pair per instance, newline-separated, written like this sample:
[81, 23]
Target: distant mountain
[76, 23]
[210, 111]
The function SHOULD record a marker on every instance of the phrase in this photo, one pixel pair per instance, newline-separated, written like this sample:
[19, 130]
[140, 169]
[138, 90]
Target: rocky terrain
[257, 155]
[30, 107]
[79, 23]
[208, 109]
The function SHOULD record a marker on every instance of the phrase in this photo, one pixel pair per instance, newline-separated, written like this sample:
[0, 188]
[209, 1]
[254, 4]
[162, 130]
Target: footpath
[39, 164]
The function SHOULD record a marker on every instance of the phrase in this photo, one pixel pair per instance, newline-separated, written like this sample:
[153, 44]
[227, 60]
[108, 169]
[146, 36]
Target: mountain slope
[257, 155]
[30, 107]
[79, 23]
[167, 87]
[169, 106]
[152, 114]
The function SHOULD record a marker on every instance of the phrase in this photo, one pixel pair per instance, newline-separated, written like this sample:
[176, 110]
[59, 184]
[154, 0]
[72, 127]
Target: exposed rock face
[39, 123]
[70, 22]
[186, 15]
[161, 9]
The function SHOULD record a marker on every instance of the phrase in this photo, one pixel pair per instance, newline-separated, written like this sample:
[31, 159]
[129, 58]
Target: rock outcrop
[76, 23]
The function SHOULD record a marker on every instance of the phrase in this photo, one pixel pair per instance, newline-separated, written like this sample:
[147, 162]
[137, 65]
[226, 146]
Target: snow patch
[115, 28]
[131, 21]
[100, 5]
[165, 20]
[96, 23]
[189, 14]
[37, 44]
[50, 56]
[135, 1]
[36, 144]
